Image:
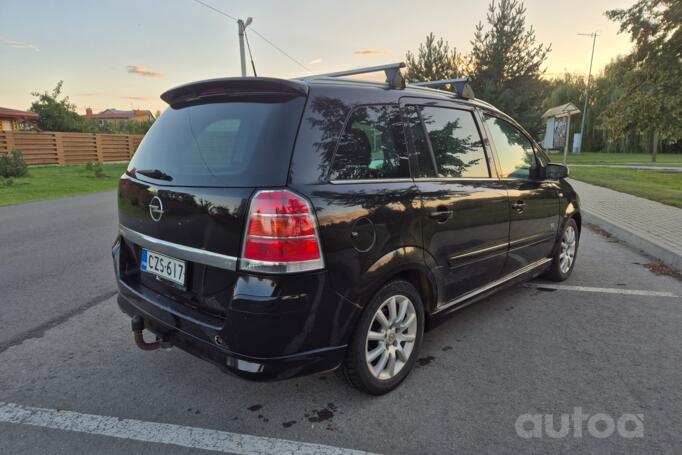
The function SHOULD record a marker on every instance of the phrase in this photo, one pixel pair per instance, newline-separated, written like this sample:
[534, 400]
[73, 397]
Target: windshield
[237, 143]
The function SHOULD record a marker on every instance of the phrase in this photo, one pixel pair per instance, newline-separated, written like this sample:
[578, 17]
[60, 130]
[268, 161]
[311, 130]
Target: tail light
[281, 234]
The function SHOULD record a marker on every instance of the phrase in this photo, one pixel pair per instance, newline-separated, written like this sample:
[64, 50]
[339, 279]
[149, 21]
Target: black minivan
[279, 228]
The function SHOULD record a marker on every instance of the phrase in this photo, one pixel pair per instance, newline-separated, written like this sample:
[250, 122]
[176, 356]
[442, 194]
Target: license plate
[163, 266]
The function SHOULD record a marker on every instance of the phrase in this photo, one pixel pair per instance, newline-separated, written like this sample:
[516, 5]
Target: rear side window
[456, 143]
[372, 146]
[514, 149]
[239, 143]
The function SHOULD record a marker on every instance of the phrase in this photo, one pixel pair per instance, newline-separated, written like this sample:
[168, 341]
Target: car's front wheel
[565, 256]
[387, 338]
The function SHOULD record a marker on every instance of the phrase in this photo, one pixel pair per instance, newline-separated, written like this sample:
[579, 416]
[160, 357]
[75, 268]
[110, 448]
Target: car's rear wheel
[565, 256]
[387, 338]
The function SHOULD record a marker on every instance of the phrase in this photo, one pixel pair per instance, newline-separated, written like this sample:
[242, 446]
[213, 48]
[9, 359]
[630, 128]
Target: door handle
[519, 206]
[441, 215]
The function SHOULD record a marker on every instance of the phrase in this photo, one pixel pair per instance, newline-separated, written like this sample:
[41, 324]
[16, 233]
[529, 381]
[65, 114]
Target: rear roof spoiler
[233, 86]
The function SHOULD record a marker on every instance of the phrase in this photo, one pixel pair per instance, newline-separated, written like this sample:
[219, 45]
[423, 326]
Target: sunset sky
[124, 53]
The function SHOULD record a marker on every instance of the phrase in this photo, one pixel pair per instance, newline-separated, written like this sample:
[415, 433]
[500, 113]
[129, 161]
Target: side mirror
[556, 171]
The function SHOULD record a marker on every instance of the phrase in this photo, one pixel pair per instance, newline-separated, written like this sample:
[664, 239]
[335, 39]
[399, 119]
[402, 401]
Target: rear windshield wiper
[155, 174]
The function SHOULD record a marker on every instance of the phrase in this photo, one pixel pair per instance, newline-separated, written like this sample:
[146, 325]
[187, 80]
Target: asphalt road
[55, 261]
[64, 346]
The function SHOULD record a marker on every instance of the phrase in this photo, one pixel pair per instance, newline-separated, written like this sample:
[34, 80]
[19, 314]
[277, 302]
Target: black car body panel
[456, 239]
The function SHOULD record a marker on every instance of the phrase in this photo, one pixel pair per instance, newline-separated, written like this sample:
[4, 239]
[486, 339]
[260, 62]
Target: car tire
[566, 253]
[384, 348]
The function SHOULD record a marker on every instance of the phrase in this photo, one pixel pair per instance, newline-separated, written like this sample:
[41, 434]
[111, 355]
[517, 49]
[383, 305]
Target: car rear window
[236, 143]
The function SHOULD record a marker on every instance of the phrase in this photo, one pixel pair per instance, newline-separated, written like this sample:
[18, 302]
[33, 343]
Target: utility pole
[242, 27]
[587, 91]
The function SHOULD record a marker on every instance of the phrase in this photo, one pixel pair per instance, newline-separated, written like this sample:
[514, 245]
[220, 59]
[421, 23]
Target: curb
[670, 258]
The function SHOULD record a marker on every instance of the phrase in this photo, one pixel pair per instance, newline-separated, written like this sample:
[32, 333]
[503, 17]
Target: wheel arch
[412, 264]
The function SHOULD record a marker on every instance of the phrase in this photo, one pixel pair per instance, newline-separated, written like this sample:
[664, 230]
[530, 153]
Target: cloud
[135, 69]
[316, 61]
[369, 52]
[89, 94]
[138, 98]
[17, 44]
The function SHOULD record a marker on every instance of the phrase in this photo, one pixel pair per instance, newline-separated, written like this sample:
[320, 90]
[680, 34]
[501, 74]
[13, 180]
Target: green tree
[508, 62]
[119, 127]
[651, 97]
[435, 60]
[56, 114]
[568, 88]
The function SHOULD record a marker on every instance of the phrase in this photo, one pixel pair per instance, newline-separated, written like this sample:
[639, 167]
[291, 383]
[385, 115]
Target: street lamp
[587, 91]
[242, 27]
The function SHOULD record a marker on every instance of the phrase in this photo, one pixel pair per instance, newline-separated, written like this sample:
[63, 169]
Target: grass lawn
[665, 187]
[668, 159]
[58, 181]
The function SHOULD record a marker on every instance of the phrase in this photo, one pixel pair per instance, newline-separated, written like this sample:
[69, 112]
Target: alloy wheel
[391, 337]
[567, 252]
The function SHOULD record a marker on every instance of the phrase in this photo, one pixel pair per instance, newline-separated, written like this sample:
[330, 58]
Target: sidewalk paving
[650, 226]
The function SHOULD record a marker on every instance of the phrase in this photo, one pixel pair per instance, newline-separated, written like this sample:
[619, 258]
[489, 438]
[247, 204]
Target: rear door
[366, 208]
[534, 202]
[186, 191]
[464, 210]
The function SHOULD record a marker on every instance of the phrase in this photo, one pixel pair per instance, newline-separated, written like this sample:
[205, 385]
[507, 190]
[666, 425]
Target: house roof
[113, 114]
[561, 111]
[6, 112]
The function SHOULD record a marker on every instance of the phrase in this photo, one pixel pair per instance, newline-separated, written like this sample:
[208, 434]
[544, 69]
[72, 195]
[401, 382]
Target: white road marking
[164, 433]
[566, 287]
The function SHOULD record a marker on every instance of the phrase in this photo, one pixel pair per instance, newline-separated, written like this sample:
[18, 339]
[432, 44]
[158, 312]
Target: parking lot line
[565, 287]
[163, 433]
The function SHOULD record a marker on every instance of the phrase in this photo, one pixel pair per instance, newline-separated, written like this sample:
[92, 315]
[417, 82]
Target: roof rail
[461, 86]
[394, 77]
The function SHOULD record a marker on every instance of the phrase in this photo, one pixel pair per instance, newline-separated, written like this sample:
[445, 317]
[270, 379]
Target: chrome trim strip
[187, 253]
[493, 284]
[531, 240]
[350, 181]
[490, 249]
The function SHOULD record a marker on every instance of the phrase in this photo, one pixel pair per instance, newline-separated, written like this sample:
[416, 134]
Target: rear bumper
[259, 338]
[248, 367]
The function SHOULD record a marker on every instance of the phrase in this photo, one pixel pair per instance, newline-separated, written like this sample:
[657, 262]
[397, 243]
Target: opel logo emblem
[156, 208]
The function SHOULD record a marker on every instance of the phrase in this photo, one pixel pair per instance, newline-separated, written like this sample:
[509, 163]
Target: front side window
[514, 149]
[456, 143]
[372, 146]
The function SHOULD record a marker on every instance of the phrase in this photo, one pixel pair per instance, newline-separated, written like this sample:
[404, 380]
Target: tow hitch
[137, 324]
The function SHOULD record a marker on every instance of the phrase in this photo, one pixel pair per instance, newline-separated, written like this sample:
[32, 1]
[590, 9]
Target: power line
[248, 45]
[281, 50]
[223, 13]
[216, 10]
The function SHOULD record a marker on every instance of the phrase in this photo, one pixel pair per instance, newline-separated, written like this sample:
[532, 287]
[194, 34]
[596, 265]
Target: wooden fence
[69, 148]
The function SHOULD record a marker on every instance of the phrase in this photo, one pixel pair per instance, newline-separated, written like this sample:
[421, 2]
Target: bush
[13, 165]
[89, 166]
[99, 170]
